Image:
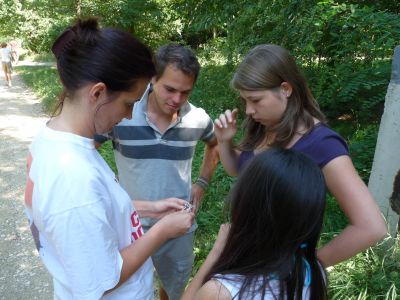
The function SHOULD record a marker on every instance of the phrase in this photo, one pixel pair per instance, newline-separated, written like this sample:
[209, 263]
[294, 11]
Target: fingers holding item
[185, 219]
[176, 202]
[169, 204]
[176, 224]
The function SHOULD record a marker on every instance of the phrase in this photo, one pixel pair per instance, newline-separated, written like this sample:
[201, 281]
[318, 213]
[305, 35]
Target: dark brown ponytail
[85, 53]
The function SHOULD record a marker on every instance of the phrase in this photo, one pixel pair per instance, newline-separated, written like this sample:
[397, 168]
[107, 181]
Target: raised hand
[225, 126]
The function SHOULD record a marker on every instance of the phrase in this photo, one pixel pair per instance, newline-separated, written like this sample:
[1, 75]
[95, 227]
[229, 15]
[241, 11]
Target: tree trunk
[387, 152]
[78, 7]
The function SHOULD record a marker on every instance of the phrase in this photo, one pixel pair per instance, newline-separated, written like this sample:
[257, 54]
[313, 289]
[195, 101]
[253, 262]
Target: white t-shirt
[233, 283]
[5, 55]
[80, 219]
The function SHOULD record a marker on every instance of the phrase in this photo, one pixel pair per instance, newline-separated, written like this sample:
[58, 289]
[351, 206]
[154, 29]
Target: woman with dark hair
[282, 113]
[86, 228]
[269, 249]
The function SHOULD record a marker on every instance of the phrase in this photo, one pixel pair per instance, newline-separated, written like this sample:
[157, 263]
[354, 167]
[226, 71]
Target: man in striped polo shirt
[154, 152]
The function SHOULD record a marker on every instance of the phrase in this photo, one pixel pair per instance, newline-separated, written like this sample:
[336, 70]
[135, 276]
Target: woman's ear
[286, 89]
[97, 91]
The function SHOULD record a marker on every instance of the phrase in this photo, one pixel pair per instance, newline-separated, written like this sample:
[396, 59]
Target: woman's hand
[158, 209]
[225, 130]
[225, 126]
[175, 224]
[166, 206]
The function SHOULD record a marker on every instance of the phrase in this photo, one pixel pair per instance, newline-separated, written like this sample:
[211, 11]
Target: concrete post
[386, 162]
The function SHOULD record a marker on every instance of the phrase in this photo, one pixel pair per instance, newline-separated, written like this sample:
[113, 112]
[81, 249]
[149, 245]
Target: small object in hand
[187, 207]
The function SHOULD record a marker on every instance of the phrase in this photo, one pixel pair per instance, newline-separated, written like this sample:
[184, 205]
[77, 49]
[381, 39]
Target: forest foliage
[344, 47]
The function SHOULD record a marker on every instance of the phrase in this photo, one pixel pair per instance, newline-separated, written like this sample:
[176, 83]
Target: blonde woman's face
[266, 106]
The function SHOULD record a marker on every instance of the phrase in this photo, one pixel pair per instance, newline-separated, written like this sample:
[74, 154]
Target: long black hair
[276, 212]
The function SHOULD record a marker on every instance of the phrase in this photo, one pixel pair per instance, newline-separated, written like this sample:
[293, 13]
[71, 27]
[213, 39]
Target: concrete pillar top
[396, 66]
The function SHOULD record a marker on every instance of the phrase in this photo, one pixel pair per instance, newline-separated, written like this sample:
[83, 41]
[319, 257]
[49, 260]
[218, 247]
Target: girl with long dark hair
[268, 251]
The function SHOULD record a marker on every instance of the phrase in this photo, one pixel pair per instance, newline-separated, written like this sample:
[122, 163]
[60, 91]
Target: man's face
[172, 90]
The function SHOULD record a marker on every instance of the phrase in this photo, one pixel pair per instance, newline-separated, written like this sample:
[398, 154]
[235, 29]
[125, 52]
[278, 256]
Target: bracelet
[202, 182]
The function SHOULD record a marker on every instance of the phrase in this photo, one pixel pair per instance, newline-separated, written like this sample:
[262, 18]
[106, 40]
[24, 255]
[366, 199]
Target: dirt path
[22, 274]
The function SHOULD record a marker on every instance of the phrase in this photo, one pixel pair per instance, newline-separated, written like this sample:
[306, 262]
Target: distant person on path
[14, 44]
[154, 152]
[282, 113]
[269, 249]
[86, 227]
[6, 63]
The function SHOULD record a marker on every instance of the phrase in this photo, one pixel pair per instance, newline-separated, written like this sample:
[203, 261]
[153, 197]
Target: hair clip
[308, 274]
[303, 246]
[63, 41]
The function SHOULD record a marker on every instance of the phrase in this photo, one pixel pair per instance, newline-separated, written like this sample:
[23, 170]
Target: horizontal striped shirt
[151, 165]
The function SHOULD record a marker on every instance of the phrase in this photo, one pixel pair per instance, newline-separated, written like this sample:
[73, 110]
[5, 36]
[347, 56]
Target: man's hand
[197, 197]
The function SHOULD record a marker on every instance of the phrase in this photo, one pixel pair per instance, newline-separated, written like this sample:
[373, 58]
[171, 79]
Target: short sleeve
[333, 146]
[322, 145]
[209, 131]
[325, 149]
[86, 244]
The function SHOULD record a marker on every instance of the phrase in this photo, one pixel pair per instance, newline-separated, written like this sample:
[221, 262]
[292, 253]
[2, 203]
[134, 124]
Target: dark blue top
[321, 144]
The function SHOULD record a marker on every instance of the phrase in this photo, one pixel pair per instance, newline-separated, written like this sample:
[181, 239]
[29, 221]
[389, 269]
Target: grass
[44, 83]
[372, 274]
[39, 57]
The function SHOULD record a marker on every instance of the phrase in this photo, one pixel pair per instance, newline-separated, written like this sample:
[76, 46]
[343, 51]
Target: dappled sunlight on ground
[23, 275]
[20, 112]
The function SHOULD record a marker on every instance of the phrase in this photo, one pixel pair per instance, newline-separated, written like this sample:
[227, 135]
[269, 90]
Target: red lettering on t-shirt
[29, 183]
[137, 230]
[135, 219]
